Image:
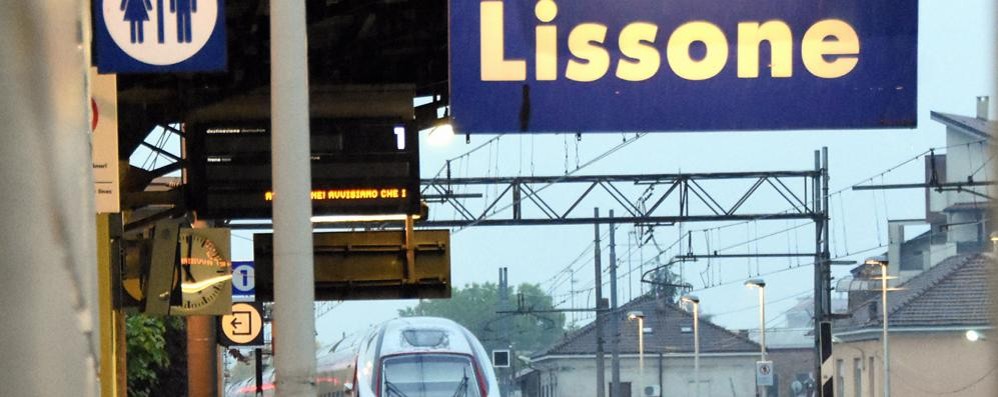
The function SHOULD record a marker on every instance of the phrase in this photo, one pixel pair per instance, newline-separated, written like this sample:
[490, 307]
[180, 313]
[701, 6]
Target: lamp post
[761, 285]
[696, 339]
[637, 315]
[882, 262]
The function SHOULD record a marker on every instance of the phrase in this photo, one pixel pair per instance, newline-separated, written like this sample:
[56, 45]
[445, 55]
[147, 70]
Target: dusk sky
[956, 64]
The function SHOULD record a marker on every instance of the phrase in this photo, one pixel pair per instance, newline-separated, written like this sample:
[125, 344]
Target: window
[857, 377]
[429, 375]
[840, 380]
[871, 377]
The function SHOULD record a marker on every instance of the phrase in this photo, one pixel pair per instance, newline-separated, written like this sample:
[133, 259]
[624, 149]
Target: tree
[475, 308]
[156, 356]
[666, 284]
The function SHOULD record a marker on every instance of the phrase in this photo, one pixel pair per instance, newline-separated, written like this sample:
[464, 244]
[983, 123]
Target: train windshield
[429, 375]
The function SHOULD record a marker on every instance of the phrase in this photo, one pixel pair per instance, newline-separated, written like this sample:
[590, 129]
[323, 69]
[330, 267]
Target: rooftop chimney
[982, 107]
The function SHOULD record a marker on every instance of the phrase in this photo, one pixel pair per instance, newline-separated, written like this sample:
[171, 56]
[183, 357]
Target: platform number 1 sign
[243, 282]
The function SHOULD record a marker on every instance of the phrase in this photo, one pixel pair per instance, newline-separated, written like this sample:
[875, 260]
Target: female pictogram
[136, 13]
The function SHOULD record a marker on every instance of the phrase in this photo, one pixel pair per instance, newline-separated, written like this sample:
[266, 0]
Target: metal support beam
[942, 186]
[647, 198]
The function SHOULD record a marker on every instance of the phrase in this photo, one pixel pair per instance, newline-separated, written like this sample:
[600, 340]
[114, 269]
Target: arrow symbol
[240, 318]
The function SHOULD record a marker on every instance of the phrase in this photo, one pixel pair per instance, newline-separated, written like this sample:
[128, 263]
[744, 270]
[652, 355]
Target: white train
[405, 357]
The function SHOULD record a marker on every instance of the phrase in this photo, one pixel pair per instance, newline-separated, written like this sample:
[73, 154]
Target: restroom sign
[159, 36]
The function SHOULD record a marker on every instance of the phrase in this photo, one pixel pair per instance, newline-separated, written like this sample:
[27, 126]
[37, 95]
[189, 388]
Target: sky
[956, 64]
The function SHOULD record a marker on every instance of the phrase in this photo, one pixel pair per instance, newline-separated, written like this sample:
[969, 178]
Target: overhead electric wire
[552, 183]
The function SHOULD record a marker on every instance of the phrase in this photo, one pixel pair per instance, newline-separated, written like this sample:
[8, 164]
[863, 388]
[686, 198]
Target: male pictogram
[183, 9]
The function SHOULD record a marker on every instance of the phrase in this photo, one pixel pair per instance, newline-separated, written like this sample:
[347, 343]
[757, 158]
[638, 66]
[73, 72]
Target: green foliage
[156, 356]
[666, 284]
[475, 308]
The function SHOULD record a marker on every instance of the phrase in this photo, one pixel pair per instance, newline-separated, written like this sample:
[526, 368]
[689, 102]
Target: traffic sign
[764, 373]
[244, 327]
[243, 282]
[159, 35]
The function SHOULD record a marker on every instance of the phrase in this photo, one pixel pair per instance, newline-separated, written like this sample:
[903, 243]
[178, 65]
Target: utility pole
[504, 330]
[822, 273]
[571, 292]
[826, 264]
[600, 375]
[614, 318]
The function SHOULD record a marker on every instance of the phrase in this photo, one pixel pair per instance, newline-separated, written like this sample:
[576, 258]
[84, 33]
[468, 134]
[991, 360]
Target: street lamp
[638, 315]
[761, 285]
[696, 338]
[882, 262]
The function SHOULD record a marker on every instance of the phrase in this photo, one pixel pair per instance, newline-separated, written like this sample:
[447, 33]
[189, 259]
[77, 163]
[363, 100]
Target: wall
[923, 365]
[790, 365]
[964, 155]
[719, 376]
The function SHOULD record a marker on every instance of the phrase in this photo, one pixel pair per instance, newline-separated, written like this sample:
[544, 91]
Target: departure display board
[359, 167]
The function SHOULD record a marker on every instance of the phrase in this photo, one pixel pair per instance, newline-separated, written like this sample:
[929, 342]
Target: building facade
[727, 359]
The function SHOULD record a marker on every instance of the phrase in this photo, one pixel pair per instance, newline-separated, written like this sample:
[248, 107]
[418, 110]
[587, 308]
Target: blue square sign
[159, 36]
[243, 282]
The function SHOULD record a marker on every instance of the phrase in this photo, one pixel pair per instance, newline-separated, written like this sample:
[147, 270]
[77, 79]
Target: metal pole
[818, 306]
[504, 330]
[258, 370]
[661, 375]
[641, 354]
[887, 353]
[294, 294]
[112, 320]
[614, 317]
[696, 346]
[826, 265]
[762, 331]
[600, 376]
[762, 320]
[630, 268]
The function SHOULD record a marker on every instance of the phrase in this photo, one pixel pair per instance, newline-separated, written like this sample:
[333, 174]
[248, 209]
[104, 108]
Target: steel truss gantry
[645, 199]
[681, 198]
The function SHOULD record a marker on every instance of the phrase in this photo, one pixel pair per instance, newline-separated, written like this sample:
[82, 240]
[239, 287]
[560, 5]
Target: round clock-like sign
[205, 272]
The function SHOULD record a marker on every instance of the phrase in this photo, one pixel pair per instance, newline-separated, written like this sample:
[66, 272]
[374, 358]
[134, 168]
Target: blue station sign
[682, 65]
[159, 36]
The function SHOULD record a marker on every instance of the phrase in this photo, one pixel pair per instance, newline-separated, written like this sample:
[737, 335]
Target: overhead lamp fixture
[442, 131]
[690, 299]
[755, 283]
[879, 260]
